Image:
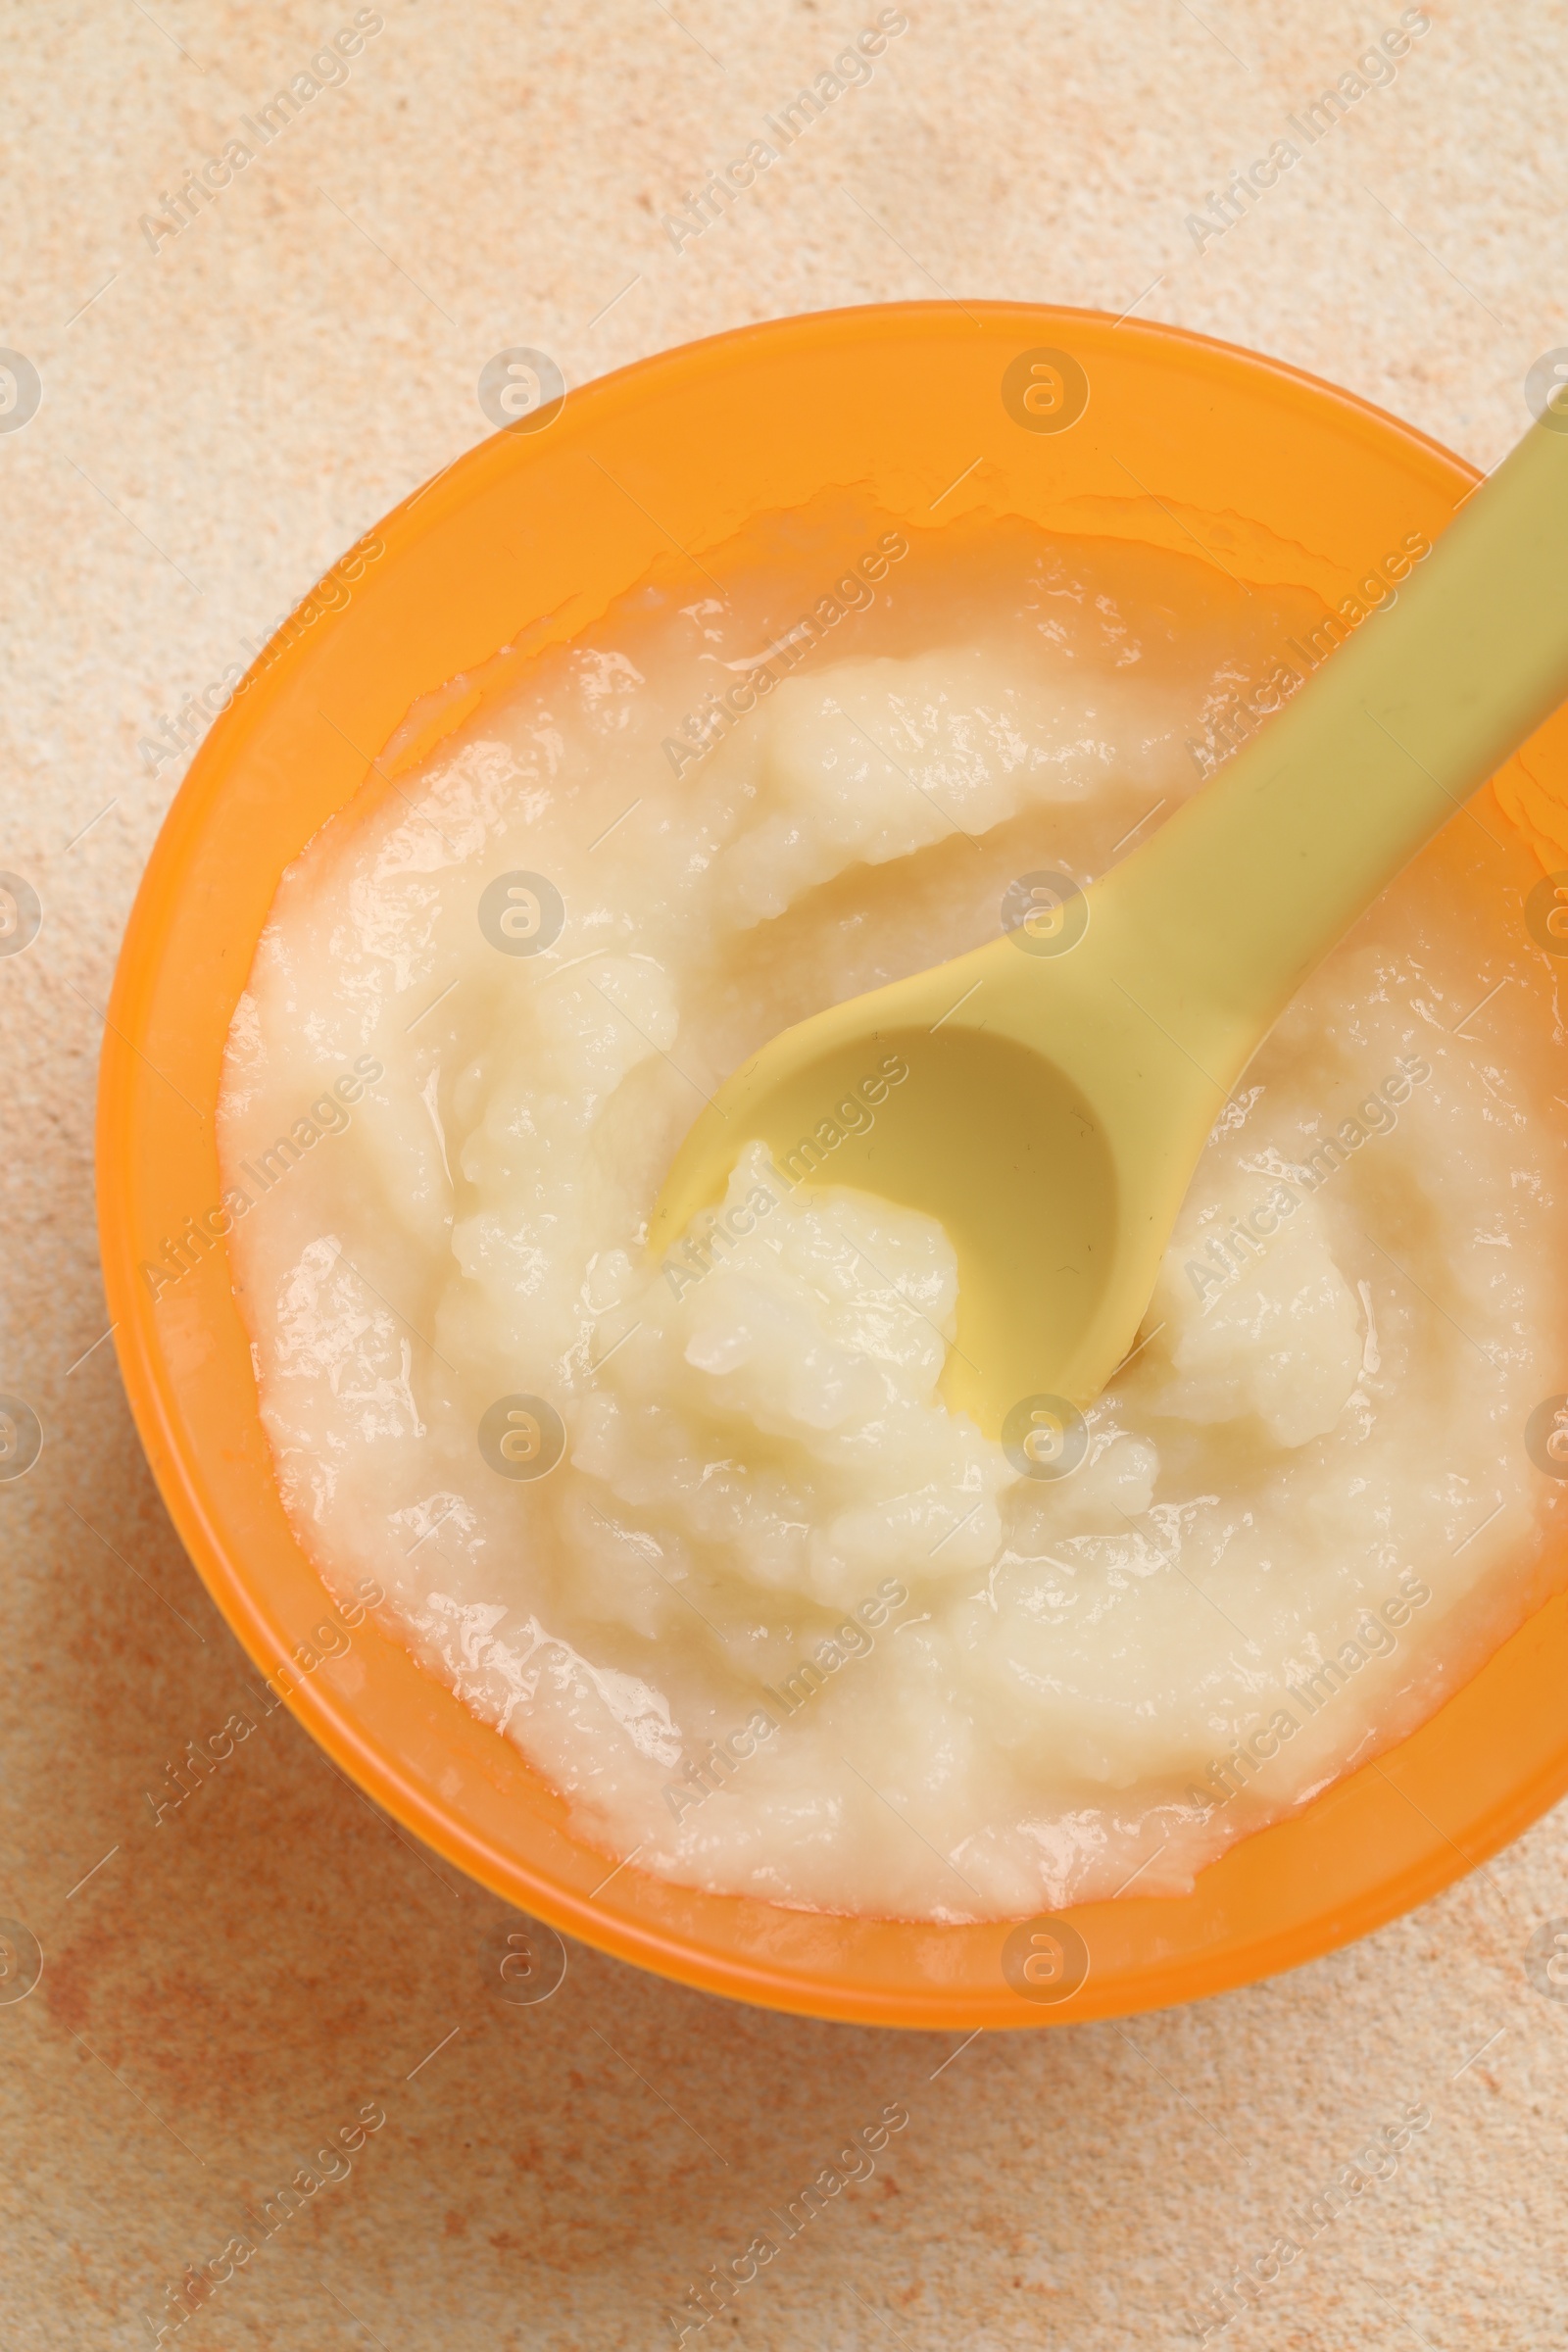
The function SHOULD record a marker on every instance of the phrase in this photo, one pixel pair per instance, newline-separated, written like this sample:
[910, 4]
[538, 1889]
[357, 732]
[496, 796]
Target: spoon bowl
[926, 1094]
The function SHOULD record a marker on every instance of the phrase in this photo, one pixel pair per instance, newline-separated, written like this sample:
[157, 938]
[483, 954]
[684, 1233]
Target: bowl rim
[1238, 1958]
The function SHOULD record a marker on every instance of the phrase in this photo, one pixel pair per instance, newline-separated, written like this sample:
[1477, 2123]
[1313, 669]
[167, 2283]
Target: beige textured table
[226, 403]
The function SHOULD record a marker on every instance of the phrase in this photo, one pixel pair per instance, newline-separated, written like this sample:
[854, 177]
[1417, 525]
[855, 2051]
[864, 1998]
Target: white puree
[1311, 1479]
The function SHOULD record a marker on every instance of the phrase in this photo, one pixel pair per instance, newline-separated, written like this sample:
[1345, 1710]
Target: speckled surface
[221, 417]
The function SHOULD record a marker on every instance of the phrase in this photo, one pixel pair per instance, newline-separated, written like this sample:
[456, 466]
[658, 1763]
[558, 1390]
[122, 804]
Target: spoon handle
[1228, 908]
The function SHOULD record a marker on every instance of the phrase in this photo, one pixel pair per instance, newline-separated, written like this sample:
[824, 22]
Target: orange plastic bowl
[1184, 444]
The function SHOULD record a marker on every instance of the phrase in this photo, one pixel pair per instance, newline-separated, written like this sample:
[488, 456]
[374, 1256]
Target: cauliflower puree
[702, 1536]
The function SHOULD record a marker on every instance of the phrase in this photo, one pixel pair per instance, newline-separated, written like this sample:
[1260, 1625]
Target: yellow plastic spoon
[1063, 1079]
